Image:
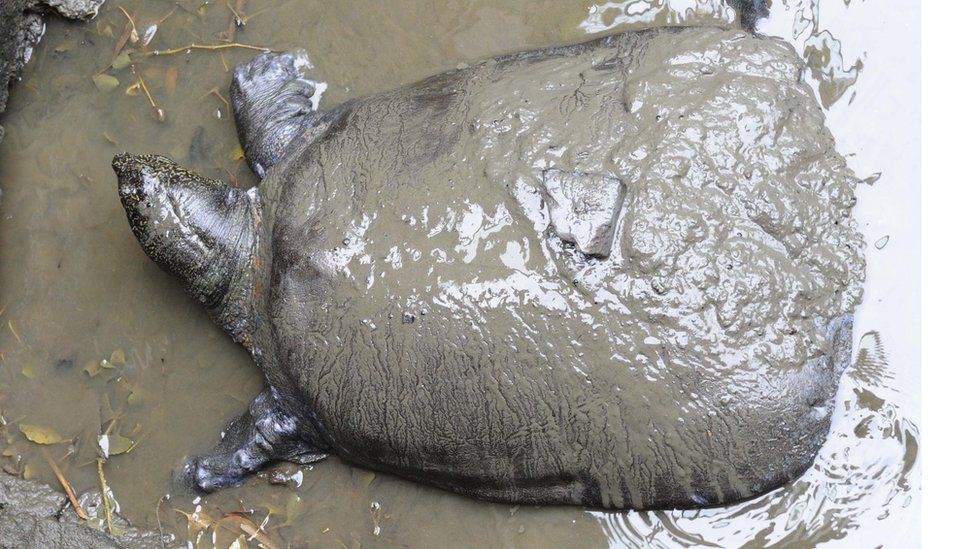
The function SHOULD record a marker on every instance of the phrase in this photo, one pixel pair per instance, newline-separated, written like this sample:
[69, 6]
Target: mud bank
[32, 515]
[21, 28]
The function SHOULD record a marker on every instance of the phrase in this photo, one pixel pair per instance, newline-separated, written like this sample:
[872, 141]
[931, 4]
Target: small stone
[286, 474]
[409, 318]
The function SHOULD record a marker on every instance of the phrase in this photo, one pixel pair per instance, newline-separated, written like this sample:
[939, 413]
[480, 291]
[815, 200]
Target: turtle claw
[262, 435]
[273, 103]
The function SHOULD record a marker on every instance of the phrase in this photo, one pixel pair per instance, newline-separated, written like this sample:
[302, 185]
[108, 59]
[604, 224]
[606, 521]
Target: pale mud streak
[693, 366]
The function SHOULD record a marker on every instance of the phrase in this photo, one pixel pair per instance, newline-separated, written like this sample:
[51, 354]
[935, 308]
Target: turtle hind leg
[264, 434]
[273, 104]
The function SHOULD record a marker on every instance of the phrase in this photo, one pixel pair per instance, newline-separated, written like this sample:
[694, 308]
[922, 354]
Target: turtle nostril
[120, 162]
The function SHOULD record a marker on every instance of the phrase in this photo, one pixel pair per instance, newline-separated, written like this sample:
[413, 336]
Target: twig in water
[133, 34]
[238, 19]
[64, 484]
[216, 92]
[120, 43]
[208, 47]
[16, 335]
[165, 17]
[105, 502]
[159, 523]
[160, 114]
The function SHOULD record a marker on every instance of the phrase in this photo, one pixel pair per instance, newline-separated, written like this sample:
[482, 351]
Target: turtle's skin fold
[616, 274]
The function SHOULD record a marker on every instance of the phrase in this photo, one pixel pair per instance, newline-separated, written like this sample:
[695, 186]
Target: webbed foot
[264, 434]
[273, 104]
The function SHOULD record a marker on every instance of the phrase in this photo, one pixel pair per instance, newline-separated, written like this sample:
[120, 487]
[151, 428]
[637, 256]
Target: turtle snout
[121, 161]
[126, 168]
[132, 170]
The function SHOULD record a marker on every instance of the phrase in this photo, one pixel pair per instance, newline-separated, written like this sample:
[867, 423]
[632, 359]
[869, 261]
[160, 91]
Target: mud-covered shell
[415, 293]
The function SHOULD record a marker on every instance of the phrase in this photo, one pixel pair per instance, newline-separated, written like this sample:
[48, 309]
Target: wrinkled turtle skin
[616, 274]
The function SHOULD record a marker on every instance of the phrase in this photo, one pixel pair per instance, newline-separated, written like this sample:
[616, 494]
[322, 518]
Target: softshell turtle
[616, 274]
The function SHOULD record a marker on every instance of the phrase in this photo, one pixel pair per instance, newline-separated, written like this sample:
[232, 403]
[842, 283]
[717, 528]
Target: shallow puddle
[93, 334]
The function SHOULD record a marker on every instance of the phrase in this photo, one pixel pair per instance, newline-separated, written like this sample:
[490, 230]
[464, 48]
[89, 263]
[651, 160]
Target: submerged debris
[172, 75]
[160, 114]
[39, 434]
[105, 82]
[204, 47]
[125, 55]
[233, 528]
[133, 35]
[108, 502]
[113, 445]
[64, 484]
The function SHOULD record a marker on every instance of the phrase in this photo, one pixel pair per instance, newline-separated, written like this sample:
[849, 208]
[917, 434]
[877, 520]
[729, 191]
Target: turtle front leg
[264, 434]
[273, 104]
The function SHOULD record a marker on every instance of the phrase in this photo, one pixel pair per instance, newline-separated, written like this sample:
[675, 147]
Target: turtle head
[201, 230]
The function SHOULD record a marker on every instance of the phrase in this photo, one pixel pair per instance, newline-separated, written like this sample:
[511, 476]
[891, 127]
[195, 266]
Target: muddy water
[76, 289]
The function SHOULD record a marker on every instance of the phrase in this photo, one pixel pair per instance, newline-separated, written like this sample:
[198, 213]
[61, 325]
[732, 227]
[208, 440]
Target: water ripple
[866, 473]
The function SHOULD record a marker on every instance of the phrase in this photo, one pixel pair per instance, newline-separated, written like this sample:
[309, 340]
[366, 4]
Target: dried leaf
[103, 29]
[138, 396]
[105, 82]
[122, 61]
[29, 372]
[113, 445]
[119, 444]
[40, 434]
[293, 509]
[123, 38]
[171, 77]
[118, 357]
[237, 153]
[30, 471]
[369, 477]
[197, 521]
[92, 367]
[248, 527]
